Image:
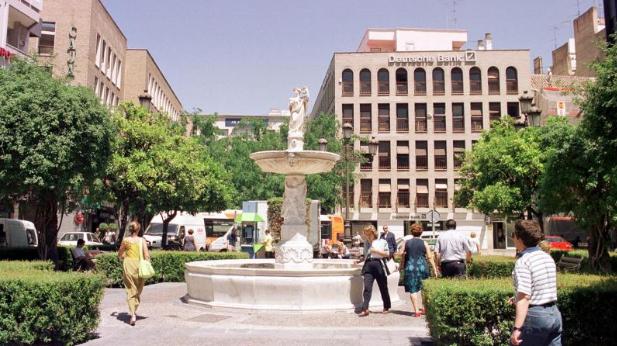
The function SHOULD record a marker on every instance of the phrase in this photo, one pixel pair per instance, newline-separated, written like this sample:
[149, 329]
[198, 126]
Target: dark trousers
[269, 254]
[452, 268]
[373, 270]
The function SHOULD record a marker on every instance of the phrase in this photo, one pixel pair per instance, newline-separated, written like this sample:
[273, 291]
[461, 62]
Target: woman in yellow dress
[129, 254]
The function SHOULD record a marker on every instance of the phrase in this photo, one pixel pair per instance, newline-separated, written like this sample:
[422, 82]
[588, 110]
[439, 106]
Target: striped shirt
[535, 275]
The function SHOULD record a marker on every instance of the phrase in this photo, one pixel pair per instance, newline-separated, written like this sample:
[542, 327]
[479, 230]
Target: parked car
[558, 243]
[16, 233]
[71, 238]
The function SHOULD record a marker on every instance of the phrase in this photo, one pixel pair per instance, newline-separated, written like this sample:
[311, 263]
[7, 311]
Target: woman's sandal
[133, 320]
[363, 313]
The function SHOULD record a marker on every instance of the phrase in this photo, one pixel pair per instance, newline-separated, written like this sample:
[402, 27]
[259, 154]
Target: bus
[218, 226]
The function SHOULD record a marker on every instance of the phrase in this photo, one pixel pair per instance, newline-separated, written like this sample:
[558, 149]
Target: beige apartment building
[83, 42]
[19, 20]
[425, 108]
[227, 123]
[145, 78]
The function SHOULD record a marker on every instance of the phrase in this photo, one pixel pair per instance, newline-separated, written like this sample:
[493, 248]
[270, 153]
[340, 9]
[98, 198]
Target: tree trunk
[46, 222]
[598, 247]
[166, 221]
[124, 220]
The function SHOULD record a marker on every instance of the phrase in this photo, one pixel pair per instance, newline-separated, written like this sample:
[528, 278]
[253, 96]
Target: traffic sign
[433, 216]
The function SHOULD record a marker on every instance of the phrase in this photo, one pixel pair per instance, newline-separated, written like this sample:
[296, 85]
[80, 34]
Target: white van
[17, 234]
[176, 230]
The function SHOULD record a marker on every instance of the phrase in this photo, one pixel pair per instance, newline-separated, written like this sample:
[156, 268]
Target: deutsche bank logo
[470, 56]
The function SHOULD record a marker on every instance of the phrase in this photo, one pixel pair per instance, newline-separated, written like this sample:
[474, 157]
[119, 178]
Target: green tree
[55, 140]
[182, 177]
[581, 175]
[502, 173]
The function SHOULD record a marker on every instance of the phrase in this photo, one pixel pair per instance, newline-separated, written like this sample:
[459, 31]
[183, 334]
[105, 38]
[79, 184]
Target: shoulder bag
[145, 267]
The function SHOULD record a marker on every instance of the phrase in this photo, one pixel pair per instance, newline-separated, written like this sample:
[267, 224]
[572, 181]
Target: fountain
[293, 280]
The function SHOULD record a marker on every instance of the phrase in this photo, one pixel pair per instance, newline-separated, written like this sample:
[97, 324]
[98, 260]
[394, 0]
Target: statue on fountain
[298, 104]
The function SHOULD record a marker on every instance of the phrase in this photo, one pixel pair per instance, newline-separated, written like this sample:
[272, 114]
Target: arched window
[347, 82]
[493, 81]
[439, 83]
[457, 81]
[475, 81]
[419, 81]
[511, 81]
[401, 82]
[365, 82]
[383, 82]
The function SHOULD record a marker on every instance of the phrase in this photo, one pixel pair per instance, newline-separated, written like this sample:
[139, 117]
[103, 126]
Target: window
[365, 82]
[511, 81]
[494, 111]
[347, 82]
[441, 193]
[351, 196]
[96, 86]
[102, 57]
[441, 157]
[231, 122]
[402, 156]
[112, 72]
[97, 58]
[401, 82]
[367, 162]
[366, 193]
[439, 117]
[476, 117]
[384, 193]
[439, 83]
[420, 111]
[383, 117]
[459, 153]
[119, 75]
[348, 114]
[493, 81]
[513, 109]
[475, 81]
[422, 193]
[384, 156]
[457, 81]
[383, 82]
[402, 194]
[458, 117]
[402, 117]
[421, 156]
[48, 38]
[419, 81]
[107, 62]
[365, 118]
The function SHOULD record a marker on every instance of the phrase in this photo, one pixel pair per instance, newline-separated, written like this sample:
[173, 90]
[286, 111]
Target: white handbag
[391, 267]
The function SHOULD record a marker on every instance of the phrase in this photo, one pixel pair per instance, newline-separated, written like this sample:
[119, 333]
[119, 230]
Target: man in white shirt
[452, 250]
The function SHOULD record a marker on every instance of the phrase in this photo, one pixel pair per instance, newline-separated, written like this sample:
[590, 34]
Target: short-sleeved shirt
[78, 252]
[268, 243]
[381, 245]
[535, 275]
[452, 246]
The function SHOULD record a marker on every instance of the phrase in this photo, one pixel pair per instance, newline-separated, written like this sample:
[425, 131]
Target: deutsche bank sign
[468, 56]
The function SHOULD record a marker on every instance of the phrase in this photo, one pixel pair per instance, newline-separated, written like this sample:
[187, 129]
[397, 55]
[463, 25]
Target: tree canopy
[55, 140]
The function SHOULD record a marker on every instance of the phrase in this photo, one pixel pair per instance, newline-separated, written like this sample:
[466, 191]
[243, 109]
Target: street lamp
[347, 133]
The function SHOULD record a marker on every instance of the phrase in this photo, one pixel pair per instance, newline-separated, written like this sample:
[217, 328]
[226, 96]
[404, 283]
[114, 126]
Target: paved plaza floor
[165, 320]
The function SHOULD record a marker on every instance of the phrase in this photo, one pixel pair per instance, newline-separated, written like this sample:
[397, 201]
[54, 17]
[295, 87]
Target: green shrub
[168, 265]
[476, 312]
[38, 305]
[490, 267]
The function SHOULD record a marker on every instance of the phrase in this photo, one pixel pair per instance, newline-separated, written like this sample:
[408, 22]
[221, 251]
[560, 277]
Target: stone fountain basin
[261, 284]
[295, 162]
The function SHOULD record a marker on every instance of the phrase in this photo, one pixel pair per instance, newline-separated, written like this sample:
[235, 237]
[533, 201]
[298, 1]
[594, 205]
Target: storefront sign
[439, 59]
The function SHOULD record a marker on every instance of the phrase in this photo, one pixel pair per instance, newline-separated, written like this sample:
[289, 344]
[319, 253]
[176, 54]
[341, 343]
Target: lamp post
[347, 133]
[528, 108]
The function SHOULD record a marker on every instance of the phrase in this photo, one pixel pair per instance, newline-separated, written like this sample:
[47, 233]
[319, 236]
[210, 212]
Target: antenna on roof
[454, 13]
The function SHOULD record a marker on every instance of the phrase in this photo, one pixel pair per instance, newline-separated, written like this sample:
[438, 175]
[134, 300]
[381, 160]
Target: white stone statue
[298, 104]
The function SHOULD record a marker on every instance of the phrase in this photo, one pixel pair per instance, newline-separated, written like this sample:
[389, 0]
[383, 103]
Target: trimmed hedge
[476, 312]
[491, 267]
[38, 305]
[168, 265]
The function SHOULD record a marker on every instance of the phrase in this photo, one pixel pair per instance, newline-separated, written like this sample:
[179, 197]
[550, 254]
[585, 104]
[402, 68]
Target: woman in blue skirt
[416, 257]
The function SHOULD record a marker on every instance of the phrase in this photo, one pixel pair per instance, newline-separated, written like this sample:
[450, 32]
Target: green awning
[249, 217]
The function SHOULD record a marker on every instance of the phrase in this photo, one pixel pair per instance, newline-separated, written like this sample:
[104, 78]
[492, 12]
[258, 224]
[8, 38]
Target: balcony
[457, 87]
[475, 87]
[347, 89]
[366, 200]
[403, 199]
[383, 88]
[401, 89]
[439, 123]
[493, 87]
[422, 200]
[421, 125]
[402, 162]
[441, 198]
[439, 88]
[402, 125]
[458, 124]
[383, 125]
[420, 88]
[421, 163]
[441, 163]
[365, 125]
[365, 88]
[384, 163]
[384, 200]
[476, 124]
[512, 87]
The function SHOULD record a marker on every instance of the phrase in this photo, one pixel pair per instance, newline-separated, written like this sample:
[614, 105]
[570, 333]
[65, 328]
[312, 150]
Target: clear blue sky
[245, 56]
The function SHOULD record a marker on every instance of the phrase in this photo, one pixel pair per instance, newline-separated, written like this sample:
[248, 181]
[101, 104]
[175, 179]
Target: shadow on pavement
[403, 313]
[420, 341]
[126, 318]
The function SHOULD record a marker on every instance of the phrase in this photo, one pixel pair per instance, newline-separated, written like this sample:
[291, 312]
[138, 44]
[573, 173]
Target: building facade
[145, 78]
[227, 123]
[19, 21]
[425, 108]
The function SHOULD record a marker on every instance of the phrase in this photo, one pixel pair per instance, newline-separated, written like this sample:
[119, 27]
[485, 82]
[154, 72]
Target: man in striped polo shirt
[538, 320]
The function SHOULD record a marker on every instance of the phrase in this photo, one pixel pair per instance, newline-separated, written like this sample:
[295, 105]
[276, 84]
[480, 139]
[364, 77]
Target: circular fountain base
[262, 284]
